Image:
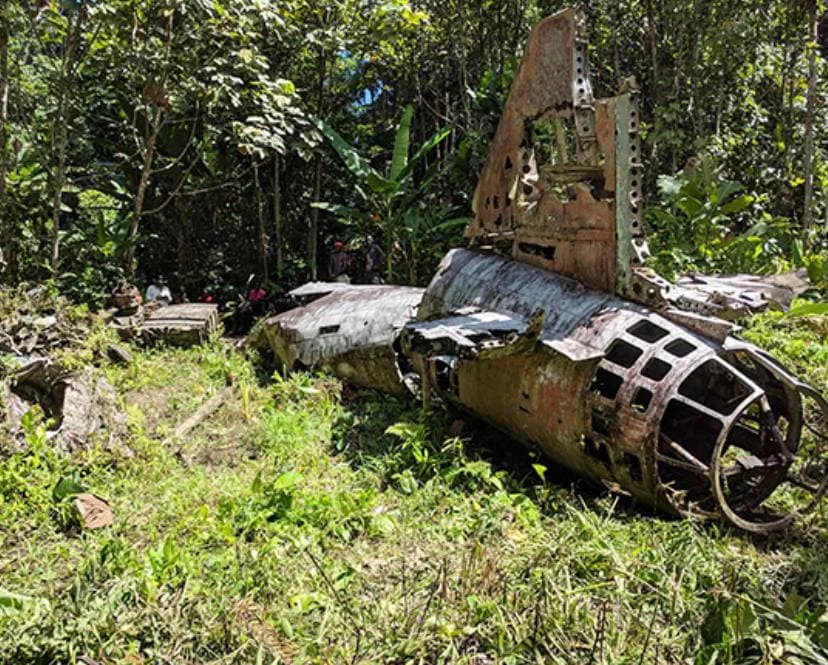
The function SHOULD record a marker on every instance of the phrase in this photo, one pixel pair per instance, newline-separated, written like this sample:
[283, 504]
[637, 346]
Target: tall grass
[294, 527]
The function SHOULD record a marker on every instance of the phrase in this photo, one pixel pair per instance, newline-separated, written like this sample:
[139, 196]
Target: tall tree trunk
[655, 87]
[263, 239]
[278, 239]
[693, 80]
[277, 213]
[810, 116]
[154, 105]
[616, 52]
[6, 226]
[60, 130]
[313, 225]
[786, 91]
[313, 230]
[155, 116]
[58, 180]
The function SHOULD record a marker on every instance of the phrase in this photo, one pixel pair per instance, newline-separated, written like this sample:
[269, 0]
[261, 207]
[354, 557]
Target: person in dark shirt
[374, 259]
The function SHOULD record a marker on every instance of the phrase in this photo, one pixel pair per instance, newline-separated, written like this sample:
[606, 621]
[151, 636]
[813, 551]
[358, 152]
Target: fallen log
[204, 411]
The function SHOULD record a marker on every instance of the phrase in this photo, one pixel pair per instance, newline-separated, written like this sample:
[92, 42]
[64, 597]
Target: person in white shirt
[159, 292]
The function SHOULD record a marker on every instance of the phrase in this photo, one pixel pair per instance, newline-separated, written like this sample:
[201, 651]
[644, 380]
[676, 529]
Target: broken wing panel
[349, 331]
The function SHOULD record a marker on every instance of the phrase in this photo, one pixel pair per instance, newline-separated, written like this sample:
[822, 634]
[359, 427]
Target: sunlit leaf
[399, 159]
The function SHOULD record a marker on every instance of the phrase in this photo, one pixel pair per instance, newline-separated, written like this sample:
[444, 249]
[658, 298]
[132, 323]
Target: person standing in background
[374, 258]
[338, 264]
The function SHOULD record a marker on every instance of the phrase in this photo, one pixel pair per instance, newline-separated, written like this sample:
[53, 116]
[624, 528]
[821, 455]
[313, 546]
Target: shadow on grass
[361, 438]
[363, 441]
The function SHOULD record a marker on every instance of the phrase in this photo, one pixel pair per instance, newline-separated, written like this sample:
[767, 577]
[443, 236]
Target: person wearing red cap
[338, 264]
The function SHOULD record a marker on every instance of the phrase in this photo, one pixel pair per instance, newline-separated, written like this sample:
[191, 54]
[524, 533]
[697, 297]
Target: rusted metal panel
[646, 405]
[185, 324]
[542, 85]
[743, 294]
[560, 211]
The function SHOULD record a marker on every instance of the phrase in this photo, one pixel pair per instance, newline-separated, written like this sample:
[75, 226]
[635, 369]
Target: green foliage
[162, 112]
[739, 630]
[294, 526]
[704, 222]
[392, 200]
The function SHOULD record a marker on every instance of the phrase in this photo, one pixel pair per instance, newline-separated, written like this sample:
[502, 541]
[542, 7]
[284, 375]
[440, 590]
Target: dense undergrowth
[292, 527]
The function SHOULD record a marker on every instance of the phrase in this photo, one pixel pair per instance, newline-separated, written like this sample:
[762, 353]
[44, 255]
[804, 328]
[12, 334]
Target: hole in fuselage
[679, 348]
[715, 387]
[656, 369]
[687, 441]
[648, 331]
[623, 353]
[597, 450]
[442, 374]
[545, 251]
[606, 383]
[642, 399]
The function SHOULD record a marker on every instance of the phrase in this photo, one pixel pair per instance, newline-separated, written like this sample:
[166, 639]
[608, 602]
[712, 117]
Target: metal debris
[35, 322]
[185, 324]
[739, 295]
[118, 354]
[348, 332]
[611, 390]
[550, 327]
[81, 405]
[182, 325]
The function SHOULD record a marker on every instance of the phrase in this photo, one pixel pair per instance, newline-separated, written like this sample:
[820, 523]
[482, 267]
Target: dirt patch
[154, 403]
[223, 440]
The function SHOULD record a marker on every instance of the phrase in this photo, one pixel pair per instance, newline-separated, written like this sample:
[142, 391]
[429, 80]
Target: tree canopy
[202, 138]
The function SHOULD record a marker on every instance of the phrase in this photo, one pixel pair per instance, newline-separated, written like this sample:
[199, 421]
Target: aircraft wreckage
[549, 327]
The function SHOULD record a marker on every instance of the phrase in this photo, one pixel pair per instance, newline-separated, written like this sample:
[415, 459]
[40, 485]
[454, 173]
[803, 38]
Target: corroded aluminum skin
[543, 397]
[348, 332]
[547, 394]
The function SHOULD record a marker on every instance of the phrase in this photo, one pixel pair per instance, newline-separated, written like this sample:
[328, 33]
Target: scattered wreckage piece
[187, 324]
[82, 405]
[35, 322]
[739, 295]
[349, 331]
[118, 354]
[551, 328]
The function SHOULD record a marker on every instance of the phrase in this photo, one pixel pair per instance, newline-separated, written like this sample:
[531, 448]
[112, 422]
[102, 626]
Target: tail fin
[561, 188]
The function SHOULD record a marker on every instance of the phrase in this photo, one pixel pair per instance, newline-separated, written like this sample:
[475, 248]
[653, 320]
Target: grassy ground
[290, 527]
